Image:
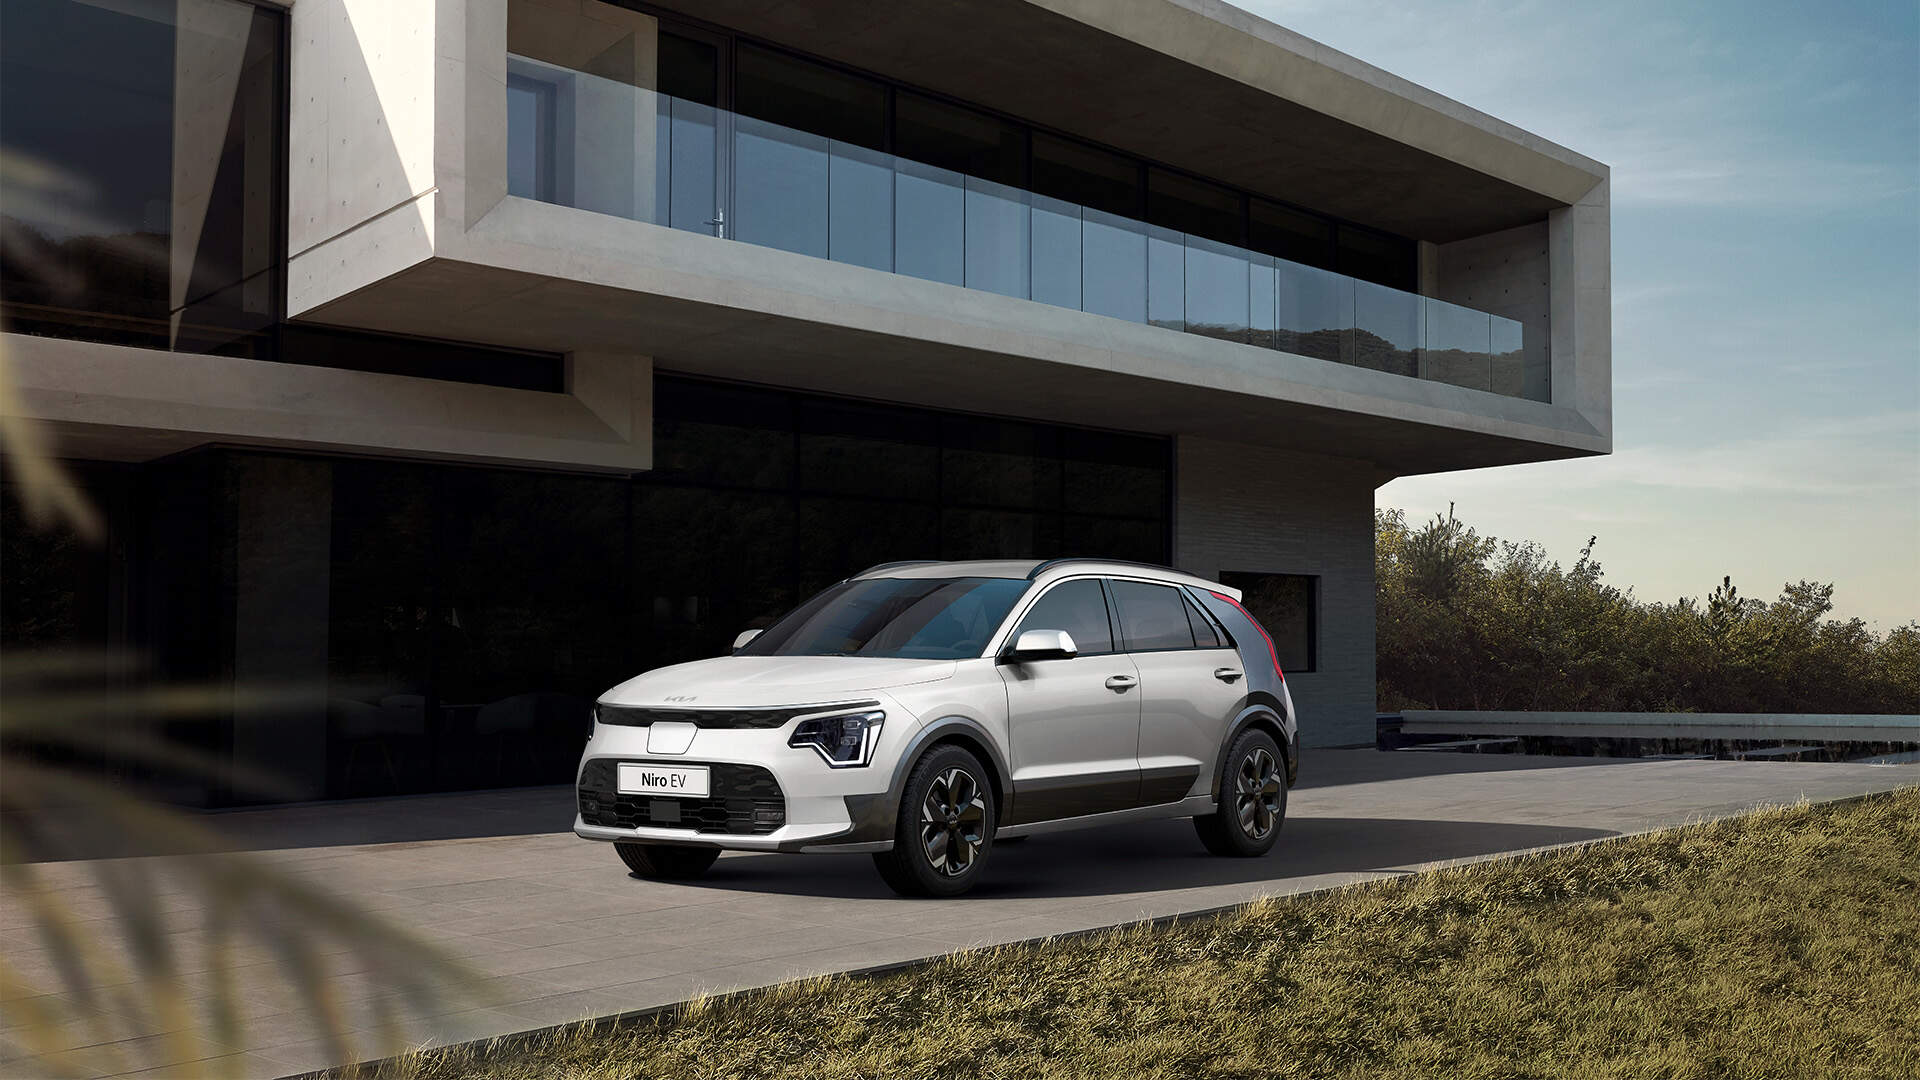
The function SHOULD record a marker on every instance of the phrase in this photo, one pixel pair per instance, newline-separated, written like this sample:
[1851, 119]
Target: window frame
[1119, 621]
[1007, 632]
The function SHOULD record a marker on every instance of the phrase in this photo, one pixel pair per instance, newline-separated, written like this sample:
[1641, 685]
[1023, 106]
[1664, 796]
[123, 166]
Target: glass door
[697, 128]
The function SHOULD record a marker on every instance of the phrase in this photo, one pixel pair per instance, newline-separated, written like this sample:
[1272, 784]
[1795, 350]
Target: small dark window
[1286, 606]
[1079, 608]
[1204, 634]
[950, 137]
[1152, 617]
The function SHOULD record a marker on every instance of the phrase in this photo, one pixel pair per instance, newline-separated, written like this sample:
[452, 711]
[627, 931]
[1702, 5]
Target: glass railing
[602, 145]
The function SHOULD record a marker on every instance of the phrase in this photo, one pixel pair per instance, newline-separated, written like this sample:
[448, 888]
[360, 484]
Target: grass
[1781, 944]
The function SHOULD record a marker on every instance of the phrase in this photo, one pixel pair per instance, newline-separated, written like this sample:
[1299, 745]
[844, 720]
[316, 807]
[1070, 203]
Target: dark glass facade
[445, 627]
[145, 153]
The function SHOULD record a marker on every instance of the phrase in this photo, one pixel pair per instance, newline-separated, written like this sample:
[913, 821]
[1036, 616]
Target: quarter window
[1204, 635]
[1077, 607]
[1152, 617]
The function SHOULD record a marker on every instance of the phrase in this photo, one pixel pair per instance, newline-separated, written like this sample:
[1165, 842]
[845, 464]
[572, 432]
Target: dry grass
[1782, 944]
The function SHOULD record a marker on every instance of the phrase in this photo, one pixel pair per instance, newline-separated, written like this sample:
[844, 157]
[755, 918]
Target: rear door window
[1152, 617]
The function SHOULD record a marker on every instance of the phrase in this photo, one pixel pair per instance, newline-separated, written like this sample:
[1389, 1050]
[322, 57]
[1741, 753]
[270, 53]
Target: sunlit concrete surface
[563, 932]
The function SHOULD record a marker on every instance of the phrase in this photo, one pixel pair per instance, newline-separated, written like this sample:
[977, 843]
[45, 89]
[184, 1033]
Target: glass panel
[1284, 605]
[692, 192]
[1056, 252]
[860, 194]
[1105, 473]
[688, 69]
[960, 139]
[1315, 313]
[929, 218]
[838, 537]
[143, 146]
[529, 138]
[1113, 254]
[1191, 206]
[988, 534]
[1386, 334]
[1458, 345]
[1166, 278]
[855, 449]
[1080, 608]
[780, 182]
[806, 96]
[1216, 279]
[1152, 617]
[1261, 282]
[707, 564]
[999, 238]
[1003, 463]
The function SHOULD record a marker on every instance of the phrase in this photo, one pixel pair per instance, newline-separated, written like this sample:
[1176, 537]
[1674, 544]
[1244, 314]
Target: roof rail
[892, 565]
[1051, 563]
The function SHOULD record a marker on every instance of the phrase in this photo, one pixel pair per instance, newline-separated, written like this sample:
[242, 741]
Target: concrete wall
[1507, 273]
[1254, 509]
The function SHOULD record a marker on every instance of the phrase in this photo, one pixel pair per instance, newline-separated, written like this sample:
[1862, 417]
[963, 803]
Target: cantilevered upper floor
[1158, 215]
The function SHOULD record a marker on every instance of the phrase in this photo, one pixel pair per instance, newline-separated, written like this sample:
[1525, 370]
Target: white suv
[920, 711]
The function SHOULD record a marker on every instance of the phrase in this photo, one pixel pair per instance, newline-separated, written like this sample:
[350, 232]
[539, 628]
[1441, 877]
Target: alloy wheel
[1257, 789]
[951, 820]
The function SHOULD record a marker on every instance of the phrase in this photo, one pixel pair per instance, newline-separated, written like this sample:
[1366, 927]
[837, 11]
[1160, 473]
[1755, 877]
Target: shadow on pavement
[1158, 856]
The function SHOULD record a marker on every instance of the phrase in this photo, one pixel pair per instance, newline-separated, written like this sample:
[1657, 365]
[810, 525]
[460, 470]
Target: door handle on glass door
[1121, 683]
[1226, 674]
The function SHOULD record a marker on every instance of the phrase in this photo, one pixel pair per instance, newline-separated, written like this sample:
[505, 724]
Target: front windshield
[907, 618]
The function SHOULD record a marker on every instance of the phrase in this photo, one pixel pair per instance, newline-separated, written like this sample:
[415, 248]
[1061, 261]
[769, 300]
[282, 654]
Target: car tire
[1253, 799]
[946, 809]
[667, 862]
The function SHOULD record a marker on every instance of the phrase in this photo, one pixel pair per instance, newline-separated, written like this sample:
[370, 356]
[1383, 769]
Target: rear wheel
[667, 862]
[1253, 799]
[945, 828]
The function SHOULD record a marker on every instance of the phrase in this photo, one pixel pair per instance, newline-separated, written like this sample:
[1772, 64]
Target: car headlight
[843, 742]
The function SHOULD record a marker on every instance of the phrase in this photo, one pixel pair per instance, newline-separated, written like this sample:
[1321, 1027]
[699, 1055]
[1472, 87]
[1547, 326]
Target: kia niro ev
[921, 711]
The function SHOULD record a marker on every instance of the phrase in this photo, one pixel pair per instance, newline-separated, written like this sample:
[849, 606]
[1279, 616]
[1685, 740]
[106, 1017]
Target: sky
[1766, 280]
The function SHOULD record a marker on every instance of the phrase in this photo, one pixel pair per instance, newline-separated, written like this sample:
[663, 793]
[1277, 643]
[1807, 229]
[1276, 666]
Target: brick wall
[1253, 509]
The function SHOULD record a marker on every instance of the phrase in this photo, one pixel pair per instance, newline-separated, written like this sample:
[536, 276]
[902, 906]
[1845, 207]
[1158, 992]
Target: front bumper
[767, 796]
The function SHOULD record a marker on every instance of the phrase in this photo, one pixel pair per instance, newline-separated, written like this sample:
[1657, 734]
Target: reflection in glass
[1386, 329]
[1458, 345]
[692, 192]
[1166, 278]
[1261, 298]
[1113, 253]
[998, 239]
[1315, 312]
[780, 185]
[1216, 284]
[928, 216]
[860, 201]
[1056, 252]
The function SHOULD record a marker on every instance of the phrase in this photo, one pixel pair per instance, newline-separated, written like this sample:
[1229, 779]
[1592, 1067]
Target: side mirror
[1034, 645]
[745, 636]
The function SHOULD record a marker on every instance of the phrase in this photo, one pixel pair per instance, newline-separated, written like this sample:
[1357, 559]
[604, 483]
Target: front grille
[630, 716]
[746, 801]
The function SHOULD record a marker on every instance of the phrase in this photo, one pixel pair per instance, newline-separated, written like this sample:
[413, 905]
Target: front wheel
[667, 862]
[945, 828]
[1253, 799]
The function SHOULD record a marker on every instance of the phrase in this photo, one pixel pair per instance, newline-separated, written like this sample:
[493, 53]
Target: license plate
[688, 781]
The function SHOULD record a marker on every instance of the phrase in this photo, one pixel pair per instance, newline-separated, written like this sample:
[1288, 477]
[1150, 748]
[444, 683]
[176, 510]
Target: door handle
[1226, 674]
[1121, 683]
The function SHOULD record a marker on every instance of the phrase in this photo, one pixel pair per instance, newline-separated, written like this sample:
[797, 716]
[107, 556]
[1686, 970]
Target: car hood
[741, 681]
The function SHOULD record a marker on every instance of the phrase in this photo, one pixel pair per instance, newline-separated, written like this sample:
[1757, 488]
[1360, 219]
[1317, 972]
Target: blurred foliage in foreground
[1781, 944]
[1467, 622]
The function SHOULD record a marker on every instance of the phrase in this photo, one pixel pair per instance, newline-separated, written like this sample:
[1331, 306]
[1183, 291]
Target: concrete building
[466, 356]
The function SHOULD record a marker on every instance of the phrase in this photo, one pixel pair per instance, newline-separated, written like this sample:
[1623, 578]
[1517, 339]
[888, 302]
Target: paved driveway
[563, 932]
